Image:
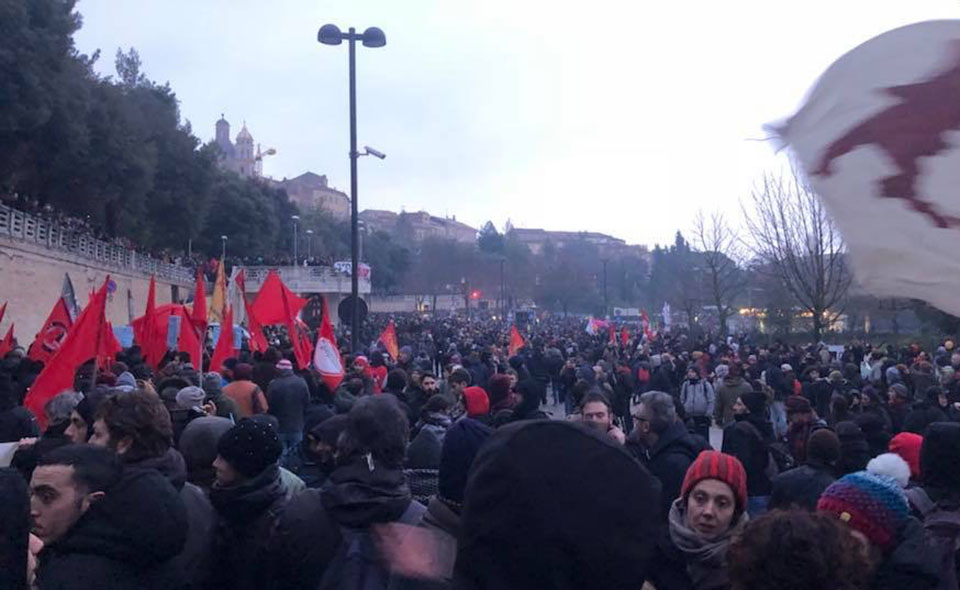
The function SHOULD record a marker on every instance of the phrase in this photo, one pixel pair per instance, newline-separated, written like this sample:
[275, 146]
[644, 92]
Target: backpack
[781, 457]
[357, 564]
[943, 533]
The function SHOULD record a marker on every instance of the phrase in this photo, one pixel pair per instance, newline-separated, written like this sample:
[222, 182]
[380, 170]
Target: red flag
[302, 347]
[516, 340]
[276, 304]
[151, 329]
[199, 312]
[389, 339]
[612, 333]
[645, 324]
[625, 337]
[188, 340]
[6, 345]
[49, 337]
[258, 342]
[224, 348]
[326, 355]
[91, 337]
[3, 311]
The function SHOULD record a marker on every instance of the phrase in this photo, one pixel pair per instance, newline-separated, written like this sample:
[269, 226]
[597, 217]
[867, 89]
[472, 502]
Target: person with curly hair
[797, 550]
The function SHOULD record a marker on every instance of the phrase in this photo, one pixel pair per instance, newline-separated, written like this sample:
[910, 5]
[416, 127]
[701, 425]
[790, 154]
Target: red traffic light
[475, 295]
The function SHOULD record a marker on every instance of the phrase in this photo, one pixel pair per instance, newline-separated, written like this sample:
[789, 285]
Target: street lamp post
[223, 247]
[309, 244]
[604, 287]
[372, 37]
[295, 219]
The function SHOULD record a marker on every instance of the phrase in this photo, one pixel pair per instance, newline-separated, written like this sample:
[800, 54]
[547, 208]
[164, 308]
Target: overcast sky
[622, 117]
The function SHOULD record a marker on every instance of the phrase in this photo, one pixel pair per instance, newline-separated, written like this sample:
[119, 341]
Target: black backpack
[943, 533]
[358, 565]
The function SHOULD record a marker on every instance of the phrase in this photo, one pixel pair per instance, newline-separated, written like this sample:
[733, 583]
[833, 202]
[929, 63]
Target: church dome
[244, 135]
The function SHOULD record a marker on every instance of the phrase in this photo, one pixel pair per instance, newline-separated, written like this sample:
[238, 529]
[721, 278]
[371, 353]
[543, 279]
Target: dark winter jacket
[194, 560]
[911, 564]
[248, 515]
[801, 486]
[819, 393]
[424, 449]
[668, 461]
[126, 540]
[748, 439]
[16, 423]
[922, 414]
[288, 397]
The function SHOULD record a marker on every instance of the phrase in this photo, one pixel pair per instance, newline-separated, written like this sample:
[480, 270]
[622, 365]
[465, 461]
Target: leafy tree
[489, 240]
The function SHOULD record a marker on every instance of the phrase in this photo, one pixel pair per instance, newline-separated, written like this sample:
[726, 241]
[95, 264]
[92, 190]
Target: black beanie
[940, 456]
[250, 447]
[756, 401]
[823, 445]
[460, 446]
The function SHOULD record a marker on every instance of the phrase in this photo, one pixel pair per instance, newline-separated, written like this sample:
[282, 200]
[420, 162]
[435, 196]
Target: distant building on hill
[239, 157]
[312, 191]
[419, 226]
[537, 239]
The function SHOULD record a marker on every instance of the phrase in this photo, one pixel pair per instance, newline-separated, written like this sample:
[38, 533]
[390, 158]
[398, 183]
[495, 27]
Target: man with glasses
[662, 444]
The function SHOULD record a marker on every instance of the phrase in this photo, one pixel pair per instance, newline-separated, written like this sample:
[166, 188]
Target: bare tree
[720, 250]
[793, 233]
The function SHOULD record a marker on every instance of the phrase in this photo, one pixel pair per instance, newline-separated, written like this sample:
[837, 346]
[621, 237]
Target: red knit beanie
[476, 400]
[717, 465]
[907, 445]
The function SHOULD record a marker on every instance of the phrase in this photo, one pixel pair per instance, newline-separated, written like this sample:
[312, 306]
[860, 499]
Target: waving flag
[389, 339]
[218, 301]
[516, 340]
[625, 337]
[198, 315]
[150, 329]
[645, 322]
[49, 338]
[258, 342]
[877, 138]
[225, 347]
[90, 337]
[326, 355]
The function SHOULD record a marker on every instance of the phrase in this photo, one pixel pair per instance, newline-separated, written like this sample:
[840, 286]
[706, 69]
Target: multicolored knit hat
[717, 465]
[872, 504]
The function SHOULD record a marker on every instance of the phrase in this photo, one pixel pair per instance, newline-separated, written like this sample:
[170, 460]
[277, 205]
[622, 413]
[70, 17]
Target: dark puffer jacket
[801, 486]
[748, 439]
[911, 564]
[668, 461]
[126, 540]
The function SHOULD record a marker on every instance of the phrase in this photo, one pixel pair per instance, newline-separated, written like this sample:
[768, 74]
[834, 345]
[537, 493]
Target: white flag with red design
[326, 355]
[879, 140]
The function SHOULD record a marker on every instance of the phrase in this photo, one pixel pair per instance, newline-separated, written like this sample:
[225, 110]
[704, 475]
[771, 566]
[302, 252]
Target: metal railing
[17, 225]
[305, 279]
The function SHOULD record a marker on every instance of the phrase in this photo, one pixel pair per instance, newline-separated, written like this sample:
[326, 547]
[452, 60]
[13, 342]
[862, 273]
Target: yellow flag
[219, 300]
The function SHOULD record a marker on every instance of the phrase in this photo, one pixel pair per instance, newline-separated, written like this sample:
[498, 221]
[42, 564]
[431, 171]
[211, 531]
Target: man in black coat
[137, 427]
[249, 498]
[748, 439]
[103, 528]
[663, 445]
[801, 486]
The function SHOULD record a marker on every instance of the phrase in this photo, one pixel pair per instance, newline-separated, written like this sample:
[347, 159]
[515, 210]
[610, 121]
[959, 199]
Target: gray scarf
[706, 560]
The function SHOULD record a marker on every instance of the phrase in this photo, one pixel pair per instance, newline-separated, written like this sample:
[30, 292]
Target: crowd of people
[578, 461]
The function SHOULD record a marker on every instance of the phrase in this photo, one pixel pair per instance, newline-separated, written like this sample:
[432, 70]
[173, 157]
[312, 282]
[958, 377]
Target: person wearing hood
[424, 449]
[662, 444]
[137, 427]
[710, 512]
[198, 445]
[748, 439]
[320, 451]
[898, 406]
[103, 527]
[82, 417]
[57, 410]
[802, 486]
[288, 396]
[249, 497]
[189, 407]
[544, 508]
[728, 391]
[321, 528]
[854, 450]
[502, 399]
[876, 510]
[801, 421]
[931, 407]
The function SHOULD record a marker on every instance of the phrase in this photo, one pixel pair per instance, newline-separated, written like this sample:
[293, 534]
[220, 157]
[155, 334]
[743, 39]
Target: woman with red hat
[711, 510]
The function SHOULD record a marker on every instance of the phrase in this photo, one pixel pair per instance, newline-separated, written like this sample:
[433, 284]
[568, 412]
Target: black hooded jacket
[555, 505]
[126, 540]
[194, 560]
[248, 515]
[748, 439]
[801, 486]
[668, 461]
[911, 564]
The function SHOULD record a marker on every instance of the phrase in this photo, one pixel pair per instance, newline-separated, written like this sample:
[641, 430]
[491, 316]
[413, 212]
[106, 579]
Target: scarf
[244, 502]
[705, 559]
